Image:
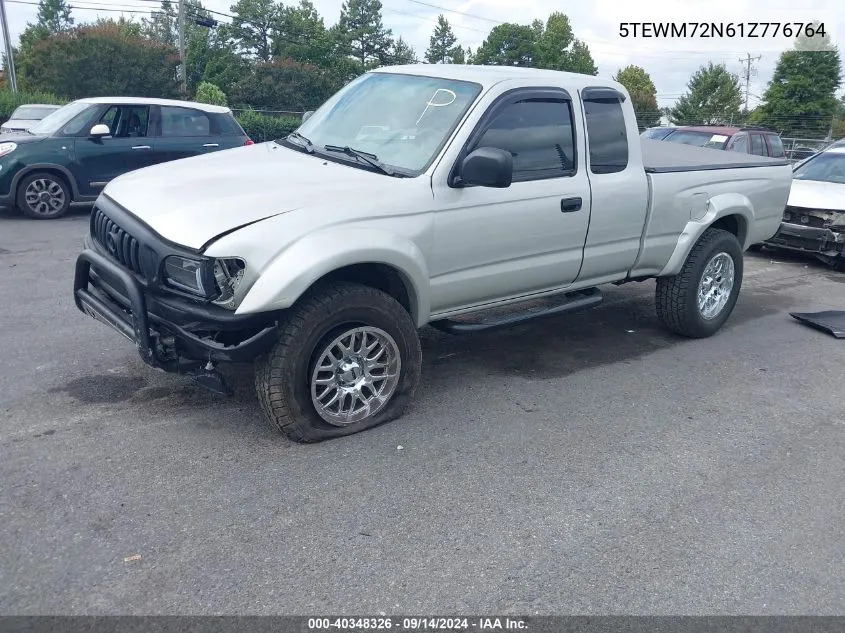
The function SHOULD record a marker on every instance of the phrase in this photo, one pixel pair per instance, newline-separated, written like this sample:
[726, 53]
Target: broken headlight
[228, 273]
[186, 274]
[838, 221]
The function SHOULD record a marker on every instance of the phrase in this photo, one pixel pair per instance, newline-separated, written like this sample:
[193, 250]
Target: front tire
[697, 301]
[348, 359]
[43, 196]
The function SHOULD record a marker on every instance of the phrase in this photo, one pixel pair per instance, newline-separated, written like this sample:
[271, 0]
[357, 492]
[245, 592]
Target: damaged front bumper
[819, 232]
[169, 333]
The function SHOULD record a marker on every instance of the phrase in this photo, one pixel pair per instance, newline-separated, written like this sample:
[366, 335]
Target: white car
[814, 218]
[25, 116]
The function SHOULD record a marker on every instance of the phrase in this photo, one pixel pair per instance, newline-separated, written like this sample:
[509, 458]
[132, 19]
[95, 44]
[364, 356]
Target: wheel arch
[372, 257]
[731, 212]
[51, 168]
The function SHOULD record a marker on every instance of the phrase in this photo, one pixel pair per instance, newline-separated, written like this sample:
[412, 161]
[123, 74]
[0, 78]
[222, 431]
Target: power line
[422, 17]
[81, 8]
[469, 15]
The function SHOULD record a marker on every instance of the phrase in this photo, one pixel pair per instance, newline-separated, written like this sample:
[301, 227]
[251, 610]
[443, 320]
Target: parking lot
[589, 463]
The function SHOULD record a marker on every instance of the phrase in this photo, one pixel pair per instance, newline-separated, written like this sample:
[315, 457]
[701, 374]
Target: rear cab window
[607, 134]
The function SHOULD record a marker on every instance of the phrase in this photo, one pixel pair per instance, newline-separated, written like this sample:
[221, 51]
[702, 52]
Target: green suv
[71, 154]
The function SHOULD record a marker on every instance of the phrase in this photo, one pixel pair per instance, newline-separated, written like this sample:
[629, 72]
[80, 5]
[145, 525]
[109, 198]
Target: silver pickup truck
[417, 195]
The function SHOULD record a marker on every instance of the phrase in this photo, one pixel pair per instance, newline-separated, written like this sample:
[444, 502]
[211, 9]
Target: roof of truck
[489, 75]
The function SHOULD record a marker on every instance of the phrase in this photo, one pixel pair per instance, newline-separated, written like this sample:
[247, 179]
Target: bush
[211, 94]
[262, 127]
[9, 101]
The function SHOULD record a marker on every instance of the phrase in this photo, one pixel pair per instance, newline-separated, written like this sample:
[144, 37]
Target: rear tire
[697, 301]
[43, 196]
[310, 394]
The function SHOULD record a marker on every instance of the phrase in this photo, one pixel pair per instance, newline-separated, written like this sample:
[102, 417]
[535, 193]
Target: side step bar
[513, 315]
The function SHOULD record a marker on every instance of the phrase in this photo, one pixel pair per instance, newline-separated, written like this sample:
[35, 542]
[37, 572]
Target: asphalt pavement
[589, 463]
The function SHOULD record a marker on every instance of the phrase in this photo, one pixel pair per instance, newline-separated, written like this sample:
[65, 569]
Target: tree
[252, 27]
[108, 58]
[714, 96]
[54, 15]
[554, 41]
[209, 93]
[580, 60]
[643, 94]
[301, 35]
[283, 84]
[800, 99]
[401, 53]
[361, 33]
[163, 25]
[507, 45]
[443, 47]
[210, 58]
[551, 45]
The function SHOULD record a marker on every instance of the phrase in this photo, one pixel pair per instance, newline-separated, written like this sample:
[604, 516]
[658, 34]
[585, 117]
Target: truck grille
[117, 243]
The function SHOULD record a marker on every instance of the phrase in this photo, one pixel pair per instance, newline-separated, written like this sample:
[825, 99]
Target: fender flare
[310, 258]
[25, 171]
[717, 207]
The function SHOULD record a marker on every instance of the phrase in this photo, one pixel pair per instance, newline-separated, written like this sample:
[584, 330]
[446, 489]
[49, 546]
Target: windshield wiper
[368, 158]
[306, 142]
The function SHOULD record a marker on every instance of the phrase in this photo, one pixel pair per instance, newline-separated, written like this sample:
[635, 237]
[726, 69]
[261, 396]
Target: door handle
[568, 205]
[140, 147]
[211, 145]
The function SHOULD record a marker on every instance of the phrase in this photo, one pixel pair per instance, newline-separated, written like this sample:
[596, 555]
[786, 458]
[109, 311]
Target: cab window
[538, 133]
[607, 135]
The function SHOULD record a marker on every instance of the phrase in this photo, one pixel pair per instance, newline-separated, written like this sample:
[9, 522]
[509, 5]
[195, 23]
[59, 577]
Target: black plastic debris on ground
[830, 321]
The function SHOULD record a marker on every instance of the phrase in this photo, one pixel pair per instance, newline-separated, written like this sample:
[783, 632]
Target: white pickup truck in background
[417, 195]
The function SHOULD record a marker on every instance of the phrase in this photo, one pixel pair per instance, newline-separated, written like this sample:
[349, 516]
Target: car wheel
[43, 196]
[348, 359]
[697, 301]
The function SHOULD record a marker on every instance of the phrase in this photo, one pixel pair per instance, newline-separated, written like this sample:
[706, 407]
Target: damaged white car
[814, 218]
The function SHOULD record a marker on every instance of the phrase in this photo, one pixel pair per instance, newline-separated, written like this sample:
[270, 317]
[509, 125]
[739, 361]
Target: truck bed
[664, 156]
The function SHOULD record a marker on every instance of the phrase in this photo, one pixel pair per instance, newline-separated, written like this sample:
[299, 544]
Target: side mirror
[100, 130]
[306, 115]
[487, 167]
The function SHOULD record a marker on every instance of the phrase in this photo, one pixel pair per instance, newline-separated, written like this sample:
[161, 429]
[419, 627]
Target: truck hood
[816, 194]
[194, 200]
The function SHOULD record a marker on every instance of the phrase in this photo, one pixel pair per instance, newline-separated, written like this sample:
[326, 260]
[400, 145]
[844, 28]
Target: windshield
[701, 139]
[57, 119]
[32, 113]
[827, 167]
[404, 120]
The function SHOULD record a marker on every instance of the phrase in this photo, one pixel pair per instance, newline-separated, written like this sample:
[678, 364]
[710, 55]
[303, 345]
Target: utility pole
[181, 47]
[10, 61]
[749, 70]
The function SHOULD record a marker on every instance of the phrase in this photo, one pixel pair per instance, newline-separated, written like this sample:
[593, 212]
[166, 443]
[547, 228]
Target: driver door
[493, 244]
[99, 160]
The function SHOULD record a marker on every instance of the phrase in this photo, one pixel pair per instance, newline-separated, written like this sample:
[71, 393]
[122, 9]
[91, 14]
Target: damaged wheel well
[734, 224]
[379, 276]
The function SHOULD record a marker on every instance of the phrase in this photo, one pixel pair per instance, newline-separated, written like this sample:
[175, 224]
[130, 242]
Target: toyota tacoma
[416, 195]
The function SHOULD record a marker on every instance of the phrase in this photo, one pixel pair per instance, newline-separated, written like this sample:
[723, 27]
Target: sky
[669, 61]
